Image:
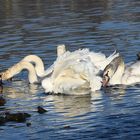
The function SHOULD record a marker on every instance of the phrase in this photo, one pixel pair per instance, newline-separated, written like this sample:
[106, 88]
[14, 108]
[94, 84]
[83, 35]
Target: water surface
[37, 27]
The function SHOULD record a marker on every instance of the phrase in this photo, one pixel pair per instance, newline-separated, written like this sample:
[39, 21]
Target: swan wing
[104, 62]
[69, 81]
[71, 58]
[67, 59]
[78, 75]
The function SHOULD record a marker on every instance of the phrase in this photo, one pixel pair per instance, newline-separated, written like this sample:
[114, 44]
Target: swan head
[17, 68]
[6, 75]
[111, 69]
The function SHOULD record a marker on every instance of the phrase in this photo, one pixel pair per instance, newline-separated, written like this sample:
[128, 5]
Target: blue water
[37, 27]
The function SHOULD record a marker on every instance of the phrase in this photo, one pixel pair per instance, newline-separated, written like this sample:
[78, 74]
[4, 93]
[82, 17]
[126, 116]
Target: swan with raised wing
[72, 72]
[78, 77]
[116, 72]
[77, 70]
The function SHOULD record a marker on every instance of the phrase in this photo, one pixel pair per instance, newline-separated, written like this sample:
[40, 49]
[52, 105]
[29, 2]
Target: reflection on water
[72, 106]
[18, 91]
[37, 27]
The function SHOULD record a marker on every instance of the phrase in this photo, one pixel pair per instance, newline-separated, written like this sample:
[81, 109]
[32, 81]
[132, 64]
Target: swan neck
[39, 65]
[14, 70]
[117, 77]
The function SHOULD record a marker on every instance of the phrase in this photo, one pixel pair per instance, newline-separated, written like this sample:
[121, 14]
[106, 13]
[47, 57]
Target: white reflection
[72, 106]
[20, 89]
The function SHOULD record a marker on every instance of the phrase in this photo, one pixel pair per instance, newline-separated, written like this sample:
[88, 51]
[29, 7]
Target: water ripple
[37, 28]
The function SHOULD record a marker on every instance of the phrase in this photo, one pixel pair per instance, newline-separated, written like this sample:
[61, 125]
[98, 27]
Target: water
[37, 27]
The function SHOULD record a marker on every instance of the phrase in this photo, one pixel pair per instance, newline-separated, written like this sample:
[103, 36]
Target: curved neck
[14, 70]
[39, 66]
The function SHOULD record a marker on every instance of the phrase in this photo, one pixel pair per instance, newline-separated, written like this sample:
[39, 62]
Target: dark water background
[37, 27]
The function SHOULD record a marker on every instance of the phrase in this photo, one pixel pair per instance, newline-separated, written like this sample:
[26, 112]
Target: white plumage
[72, 73]
[131, 74]
[77, 71]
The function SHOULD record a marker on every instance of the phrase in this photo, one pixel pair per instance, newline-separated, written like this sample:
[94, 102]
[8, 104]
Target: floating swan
[117, 73]
[77, 70]
[72, 72]
[75, 78]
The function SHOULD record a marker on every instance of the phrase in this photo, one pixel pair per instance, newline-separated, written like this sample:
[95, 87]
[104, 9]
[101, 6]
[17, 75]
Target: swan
[78, 77]
[77, 70]
[72, 72]
[116, 72]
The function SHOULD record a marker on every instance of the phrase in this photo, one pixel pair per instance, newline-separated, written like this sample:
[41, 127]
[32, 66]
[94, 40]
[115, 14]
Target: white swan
[77, 70]
[72, 72]
[77, 77]
[117, 73]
